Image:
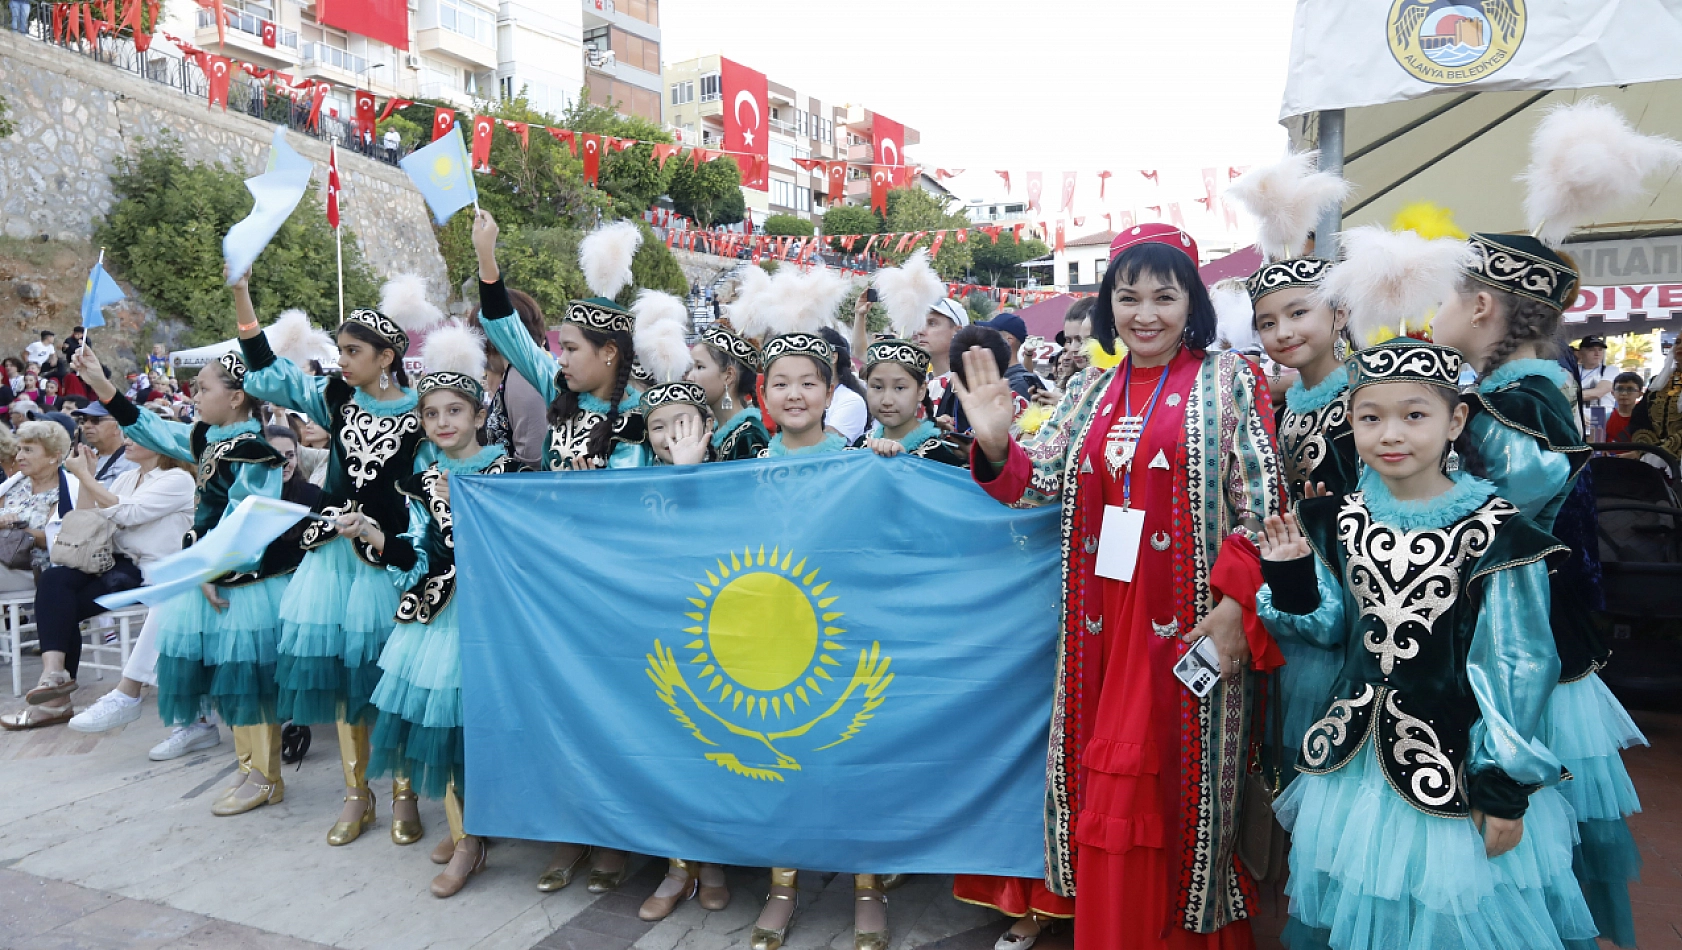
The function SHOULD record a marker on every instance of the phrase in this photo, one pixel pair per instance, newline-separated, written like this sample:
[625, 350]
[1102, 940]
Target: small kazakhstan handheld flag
[234, 544]
[276, 192]
[101, 292]
[842, 663]
[442, 174]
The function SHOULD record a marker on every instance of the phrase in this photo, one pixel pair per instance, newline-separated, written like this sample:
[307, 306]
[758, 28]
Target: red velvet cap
[1155, 232]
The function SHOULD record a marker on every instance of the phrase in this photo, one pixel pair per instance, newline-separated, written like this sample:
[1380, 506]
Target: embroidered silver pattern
[571, 439]
[371, 442]
[1302, 438]
[1166, 630]
[1434, 781]
[1159, 541]
[216, 452]
[1325, 735]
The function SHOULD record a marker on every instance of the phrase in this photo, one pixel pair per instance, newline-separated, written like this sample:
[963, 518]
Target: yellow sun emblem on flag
[446, 169]
[765, 649]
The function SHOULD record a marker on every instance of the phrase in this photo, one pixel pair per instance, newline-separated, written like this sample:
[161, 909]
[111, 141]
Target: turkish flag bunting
[1103, 180]
[1230, 213]
[269, 34]
[391, 105]
[282, 78]
[565, 137]
[963, 236]
[1150, 175]
[592, 156]
[221, 19]
[881, 176]
[992, 231]
[870, 243]
[664, 152]
[522, 129]
[218, 74]
[1059, 247]
[1016, 232]
[1174, 216]
[945, 173]
[443, 122]
[1036, 185]
[255, 72]
[1155, 208]
[699, 155]
[134, 19]
[1080, 221]
[807, 164]
[364, 116]
[848, 242]
[1006, 176]
[1068, 192]
[939, 239]
[836, 174]
[1233, 172]
[90, 24]
[1209, 188]
[333, 187]
[483, 127]
[317, 97]
[671, 233]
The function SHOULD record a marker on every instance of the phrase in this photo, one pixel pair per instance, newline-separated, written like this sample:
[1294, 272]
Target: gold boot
[353, 758]
[263, 784]
[763, 938]
[242, 757]
[866, 888]
[452, 816]
[404, 831]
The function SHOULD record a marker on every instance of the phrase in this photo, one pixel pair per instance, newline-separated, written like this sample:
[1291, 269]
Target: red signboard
[383, 20]
[888, 137]
[747, 119]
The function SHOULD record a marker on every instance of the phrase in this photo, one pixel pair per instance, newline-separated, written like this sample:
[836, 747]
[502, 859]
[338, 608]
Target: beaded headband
[798, 344]
[1520, 264]
[1279, 275]
[680, 392]
[904, 352]
[234, 366]
[1405, 360]
[383, 326]
[599, 314]
[459, 382]
[722, 338]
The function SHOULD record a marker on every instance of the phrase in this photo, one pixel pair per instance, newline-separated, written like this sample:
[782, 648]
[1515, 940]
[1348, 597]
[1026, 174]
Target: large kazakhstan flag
[842, 663]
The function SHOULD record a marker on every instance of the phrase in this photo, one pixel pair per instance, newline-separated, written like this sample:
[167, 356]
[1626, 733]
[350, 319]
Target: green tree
[710, 194]
[840, 220]
[783, 225]
[995, 264]
[913, 209]
[6, 126]
[411, 134]
[164, 236]
[543, 262]
[980, 306]
[654, 268]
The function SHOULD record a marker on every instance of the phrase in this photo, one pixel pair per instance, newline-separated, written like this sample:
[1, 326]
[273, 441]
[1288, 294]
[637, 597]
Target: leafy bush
[412, 135]
[164, 236]
[842, 220]
[788, 225]
[708, 195]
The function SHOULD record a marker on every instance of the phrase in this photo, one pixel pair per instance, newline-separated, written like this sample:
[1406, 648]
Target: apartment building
[622, 55]
[797, 125]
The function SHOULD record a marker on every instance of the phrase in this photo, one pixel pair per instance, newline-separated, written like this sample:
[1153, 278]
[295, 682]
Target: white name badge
[1118, 542]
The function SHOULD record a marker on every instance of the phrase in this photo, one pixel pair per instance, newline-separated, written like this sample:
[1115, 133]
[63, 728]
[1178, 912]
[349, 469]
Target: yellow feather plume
[1032, 419]
[1429, 221]
[1096, 356]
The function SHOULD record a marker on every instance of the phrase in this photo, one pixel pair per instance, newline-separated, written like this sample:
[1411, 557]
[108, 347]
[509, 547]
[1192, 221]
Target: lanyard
[1127, 408]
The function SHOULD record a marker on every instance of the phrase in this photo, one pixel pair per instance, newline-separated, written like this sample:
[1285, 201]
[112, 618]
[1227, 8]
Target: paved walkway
[100, 848]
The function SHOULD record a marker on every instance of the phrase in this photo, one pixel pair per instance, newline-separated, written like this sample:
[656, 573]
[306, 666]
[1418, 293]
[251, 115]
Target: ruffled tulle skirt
[418, 732]
[224, 659]
[335, 618]
[1371, 872]
[1586, 726]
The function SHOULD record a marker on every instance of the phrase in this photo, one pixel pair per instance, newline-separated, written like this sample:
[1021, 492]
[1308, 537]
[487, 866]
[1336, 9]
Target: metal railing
[246, 23]
[323, 55]
[245, 94]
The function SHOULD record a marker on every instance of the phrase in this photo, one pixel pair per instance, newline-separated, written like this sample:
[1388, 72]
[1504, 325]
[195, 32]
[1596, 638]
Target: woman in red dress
[1169, 458]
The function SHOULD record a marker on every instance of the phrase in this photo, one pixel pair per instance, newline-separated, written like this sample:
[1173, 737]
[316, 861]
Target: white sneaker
[185, 739]
[108, 712]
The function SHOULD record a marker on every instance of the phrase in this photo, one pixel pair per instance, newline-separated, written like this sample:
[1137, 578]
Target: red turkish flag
[939, 239]
[592, 156]
[255, 72]
[317, 96]
[746, 114]
[1103, 180]
[1068, 192]
[1006, 176]
[1209, 188]
[483, 126]
[1036, 185]
[1059, 247]
[963, 236]
[333, 188]
[1080, 221]
[522, 129]
[664, 152]
[992, 231]
[1151, 175]
[218, 74]
[1016, 232]
[1175, 218]
[90, 24]
[941, 174]
[392, 105]
[565, 137]
[881, 179]
[443, 122]
[836, 174]
[365, 115]
[1231, 215]
[887, 137]
[221, 19]
[269, 34]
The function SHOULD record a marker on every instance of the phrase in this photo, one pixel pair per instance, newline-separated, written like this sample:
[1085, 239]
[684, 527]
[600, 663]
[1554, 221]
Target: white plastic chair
[127, 621]
[17, 615]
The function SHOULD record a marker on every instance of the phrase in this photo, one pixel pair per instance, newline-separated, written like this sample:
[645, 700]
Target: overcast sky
[1049, 85]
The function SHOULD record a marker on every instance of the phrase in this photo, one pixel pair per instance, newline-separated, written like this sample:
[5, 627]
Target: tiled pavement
[101, 849]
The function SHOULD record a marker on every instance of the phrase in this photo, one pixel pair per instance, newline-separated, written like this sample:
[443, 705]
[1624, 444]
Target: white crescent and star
[736, 109]
[888, 146]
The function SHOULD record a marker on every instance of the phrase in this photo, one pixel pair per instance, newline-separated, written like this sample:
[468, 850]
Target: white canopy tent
[195, 358]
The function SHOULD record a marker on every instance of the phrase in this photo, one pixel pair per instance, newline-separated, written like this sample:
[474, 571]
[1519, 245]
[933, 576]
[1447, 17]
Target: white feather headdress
[1287, 198]
[455, 348]
[295, 338]
[1585, 161]
[403, 299]
[1235, 326]
[908, 292]
[745, 311]
[660, 335]
[820, 292]
[1392, 281]
[797, 301]
[605, 256]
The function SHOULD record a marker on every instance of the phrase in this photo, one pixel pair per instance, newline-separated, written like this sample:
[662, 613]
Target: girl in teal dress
[219, 645]
[1425, 815]
[896, 376]
[419, 730]
[341, 605]
[1503, 319]
[726, 367]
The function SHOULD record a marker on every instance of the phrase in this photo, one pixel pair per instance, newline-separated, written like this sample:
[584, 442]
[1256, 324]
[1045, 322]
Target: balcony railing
[323, 55]
[246, 23]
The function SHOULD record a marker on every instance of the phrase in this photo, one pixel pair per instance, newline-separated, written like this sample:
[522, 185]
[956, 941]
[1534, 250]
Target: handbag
[1262, 841]
[86, 542]
[17, 548]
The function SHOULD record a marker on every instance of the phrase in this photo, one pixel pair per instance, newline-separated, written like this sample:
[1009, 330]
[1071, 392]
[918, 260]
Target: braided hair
[565, 405]
[1528, 321]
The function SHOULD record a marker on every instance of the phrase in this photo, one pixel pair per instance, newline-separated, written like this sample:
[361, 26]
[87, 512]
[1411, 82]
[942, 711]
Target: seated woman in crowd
[36, 496]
